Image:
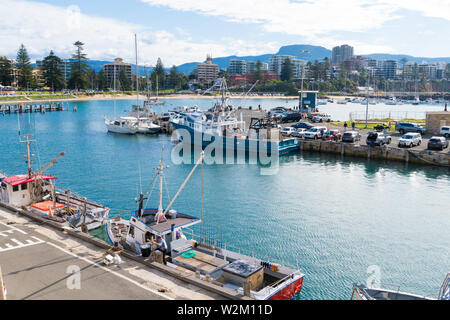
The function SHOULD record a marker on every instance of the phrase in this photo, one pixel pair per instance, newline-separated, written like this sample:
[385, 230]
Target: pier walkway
[22, 108]
[40, 263]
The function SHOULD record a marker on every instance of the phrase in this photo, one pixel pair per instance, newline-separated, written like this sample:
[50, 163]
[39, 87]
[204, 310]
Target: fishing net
[188, 254]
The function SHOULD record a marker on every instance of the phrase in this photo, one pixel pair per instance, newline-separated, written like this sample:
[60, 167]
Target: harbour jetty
[23, 108]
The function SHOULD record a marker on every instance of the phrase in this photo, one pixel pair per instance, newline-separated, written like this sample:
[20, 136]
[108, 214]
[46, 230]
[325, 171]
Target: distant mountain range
[315, 53]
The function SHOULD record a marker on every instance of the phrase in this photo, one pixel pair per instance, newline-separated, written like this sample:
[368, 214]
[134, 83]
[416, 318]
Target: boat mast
[137, 75]
[114, 85]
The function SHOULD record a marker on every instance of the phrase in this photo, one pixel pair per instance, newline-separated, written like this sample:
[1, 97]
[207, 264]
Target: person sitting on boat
[161, 245]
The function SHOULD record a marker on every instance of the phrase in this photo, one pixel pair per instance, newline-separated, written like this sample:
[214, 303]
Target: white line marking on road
[17, 242]
[111, 271]
[20, 244]
[12, 228]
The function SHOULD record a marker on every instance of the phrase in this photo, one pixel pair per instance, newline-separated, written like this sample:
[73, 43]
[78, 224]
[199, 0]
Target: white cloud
[43, 27]
[312, 18]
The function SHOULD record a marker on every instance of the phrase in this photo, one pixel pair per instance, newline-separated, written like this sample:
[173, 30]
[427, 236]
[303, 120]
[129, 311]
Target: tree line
[81, 76]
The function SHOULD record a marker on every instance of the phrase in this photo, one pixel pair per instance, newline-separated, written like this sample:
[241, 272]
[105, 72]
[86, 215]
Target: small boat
[362, 292]
[223, 266]
[143, 125]
[121, 126]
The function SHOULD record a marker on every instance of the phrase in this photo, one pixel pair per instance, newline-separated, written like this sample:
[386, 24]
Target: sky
[182, 31]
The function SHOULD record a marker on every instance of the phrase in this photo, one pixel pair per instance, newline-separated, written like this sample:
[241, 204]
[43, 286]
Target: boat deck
[203, 262]
[181, 220]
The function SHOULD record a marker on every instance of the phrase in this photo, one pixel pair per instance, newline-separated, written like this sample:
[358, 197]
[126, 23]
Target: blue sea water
[333, 217]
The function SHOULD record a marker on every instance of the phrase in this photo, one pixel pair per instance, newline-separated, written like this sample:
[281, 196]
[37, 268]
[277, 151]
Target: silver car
[410, 140]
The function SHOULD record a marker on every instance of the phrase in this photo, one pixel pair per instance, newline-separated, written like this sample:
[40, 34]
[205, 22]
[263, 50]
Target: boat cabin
[16, 190]
[149, 224]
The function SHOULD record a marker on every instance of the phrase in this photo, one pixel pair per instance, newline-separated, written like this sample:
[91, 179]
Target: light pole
[303, 76]
[367, 101]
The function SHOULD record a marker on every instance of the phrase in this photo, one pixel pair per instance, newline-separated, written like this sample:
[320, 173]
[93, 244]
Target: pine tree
[125, 82]
[6, 77]
[173, 77]
[258, 71]
[25, 70]
[53, 74]
[79, 75]
[158, 72]
[286, 70]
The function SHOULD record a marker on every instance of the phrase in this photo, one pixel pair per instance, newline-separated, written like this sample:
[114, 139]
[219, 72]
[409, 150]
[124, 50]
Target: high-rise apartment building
[251, 67]
[116, 67]
[237, 66]
[341, 54]
[207, 71]
[276, 65]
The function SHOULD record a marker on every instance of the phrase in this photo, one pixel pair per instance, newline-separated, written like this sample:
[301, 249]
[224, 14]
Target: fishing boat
[221, 127]
[243, 274]
[36, 193]
[362, 292]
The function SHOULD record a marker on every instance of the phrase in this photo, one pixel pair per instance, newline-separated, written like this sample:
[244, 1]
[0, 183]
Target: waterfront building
[389, 69]
[65, 66]
[428, 71]
[276, 65]
[207, 71]
[251, 66]
[341, 54]
[116, 67]
[237, 66]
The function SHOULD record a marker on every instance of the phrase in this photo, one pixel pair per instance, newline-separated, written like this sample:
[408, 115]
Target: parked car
[410, 140]
[404, 127]
[377, 139]
[351, 136]
[333, 134]
[437, 143]
[291, 117]
[287, 131]
[445, 131]
[321, 118]
[298, 133]
[302, 125]
[278, 109]
[315, 133]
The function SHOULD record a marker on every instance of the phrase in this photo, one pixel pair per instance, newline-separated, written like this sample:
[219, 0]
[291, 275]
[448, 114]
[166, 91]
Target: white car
[315, 133]
[321, 118]
[410, 140]
[445, 131]
[287, 131]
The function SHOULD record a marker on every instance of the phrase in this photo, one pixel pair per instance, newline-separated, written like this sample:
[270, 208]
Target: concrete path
[39, 263]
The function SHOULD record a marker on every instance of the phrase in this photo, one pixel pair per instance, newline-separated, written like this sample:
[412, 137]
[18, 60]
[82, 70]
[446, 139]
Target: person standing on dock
[345, 126]
[445, 108]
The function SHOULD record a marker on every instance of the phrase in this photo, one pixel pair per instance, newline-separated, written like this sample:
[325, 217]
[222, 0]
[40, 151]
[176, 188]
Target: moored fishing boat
[225, 267]
[221, 128]
[362, 292]
[36, 193]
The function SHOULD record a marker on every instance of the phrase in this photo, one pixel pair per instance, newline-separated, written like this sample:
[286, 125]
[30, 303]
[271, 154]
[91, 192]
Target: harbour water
[333, 217]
